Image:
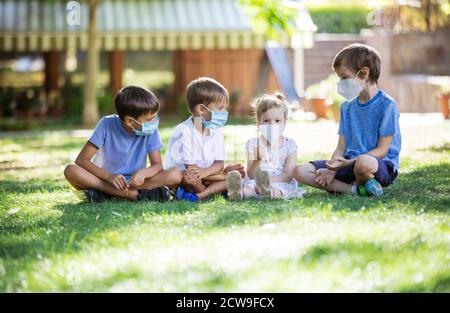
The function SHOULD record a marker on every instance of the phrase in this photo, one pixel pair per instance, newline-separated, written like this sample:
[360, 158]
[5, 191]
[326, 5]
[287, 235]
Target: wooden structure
[207, 37]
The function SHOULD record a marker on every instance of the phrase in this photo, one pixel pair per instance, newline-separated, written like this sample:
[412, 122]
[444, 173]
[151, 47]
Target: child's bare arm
[141, 175]
[253, 162]
[337, 158]
[223, 176]
[340, 149]
[196, 173]
[84, 160]
[216, 177]
[384, 143]
[286, 176]
[215, 168]
[380, 151]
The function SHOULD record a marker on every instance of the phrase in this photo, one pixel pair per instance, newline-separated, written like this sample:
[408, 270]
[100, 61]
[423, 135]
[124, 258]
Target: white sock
[353, 188]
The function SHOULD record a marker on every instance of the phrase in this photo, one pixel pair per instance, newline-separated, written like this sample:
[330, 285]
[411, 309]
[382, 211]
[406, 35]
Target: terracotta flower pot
[444, 100]
[319, 107]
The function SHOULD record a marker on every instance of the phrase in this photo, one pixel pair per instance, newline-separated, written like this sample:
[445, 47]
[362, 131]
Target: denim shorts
[385, 175]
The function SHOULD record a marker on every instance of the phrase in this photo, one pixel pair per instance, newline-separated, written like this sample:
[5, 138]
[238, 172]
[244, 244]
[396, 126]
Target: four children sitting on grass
[113, 161]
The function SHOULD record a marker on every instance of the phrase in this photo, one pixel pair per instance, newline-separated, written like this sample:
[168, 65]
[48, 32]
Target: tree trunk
[116, 63]
[90, 107]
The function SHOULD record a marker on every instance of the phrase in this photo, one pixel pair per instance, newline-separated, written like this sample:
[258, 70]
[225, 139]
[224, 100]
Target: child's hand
[195, 173]
[324, 176]
[338, 162]
[118, 181]
[256, 153]
[136, 180]
[235, 167]
[259, 150]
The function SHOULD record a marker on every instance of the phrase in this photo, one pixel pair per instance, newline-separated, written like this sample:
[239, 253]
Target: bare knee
[365, 164]
[174, 176]
[70, 171]
[301, 172]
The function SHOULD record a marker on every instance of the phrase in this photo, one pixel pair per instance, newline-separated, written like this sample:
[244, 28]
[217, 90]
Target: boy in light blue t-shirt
[367, 155]
[119, 148]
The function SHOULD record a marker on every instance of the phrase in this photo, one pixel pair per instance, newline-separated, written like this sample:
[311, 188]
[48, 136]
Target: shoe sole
[234, 185]
[263, 184]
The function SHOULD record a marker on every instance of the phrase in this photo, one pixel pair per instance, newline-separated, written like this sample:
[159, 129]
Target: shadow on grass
[439, 149]
[77, 222]
[31, 186]
[425, 189]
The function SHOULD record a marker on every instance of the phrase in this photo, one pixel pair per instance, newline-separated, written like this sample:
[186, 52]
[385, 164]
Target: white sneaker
[263, 184]
[234, 185]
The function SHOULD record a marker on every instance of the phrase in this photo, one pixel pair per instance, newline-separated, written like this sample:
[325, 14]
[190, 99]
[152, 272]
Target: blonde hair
[266, 102]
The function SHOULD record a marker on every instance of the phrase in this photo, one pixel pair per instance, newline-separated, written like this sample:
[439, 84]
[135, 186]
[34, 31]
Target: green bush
[73, 98]
[105, 100]
[182, 108]
[339, 19]
[74, 102]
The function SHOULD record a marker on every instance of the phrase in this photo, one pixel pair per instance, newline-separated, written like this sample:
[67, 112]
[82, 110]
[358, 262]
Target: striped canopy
[33, 25]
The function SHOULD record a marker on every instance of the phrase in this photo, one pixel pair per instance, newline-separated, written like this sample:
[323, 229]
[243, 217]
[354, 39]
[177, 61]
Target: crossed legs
[365, 168]
[81, 179]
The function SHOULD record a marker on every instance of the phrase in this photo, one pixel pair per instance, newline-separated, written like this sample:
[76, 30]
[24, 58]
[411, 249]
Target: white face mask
[349, 88]
[272, 133]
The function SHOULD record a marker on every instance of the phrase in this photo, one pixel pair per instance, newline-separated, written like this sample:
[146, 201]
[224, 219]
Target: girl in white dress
[271, 157]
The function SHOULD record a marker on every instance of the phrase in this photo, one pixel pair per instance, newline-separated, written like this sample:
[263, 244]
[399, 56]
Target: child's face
[205, 111]
[274, 116]
[131, 122]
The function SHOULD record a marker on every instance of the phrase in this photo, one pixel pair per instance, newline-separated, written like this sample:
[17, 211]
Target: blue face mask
[218, 119]
[147, 128]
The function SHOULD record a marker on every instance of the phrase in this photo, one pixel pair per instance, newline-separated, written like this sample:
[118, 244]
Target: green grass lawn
[52, 241]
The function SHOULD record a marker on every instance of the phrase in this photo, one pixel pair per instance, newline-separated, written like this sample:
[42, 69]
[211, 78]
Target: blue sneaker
[182, 194]
[371, 188]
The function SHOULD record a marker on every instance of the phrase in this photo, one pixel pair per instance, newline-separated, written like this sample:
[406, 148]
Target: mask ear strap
[135, 121]
[206, 107]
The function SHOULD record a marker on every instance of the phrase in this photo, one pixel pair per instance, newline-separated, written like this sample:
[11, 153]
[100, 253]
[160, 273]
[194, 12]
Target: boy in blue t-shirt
[113, 161]
[367, 155]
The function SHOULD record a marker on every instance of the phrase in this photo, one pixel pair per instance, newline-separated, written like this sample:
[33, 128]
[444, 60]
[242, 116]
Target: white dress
[274, 162]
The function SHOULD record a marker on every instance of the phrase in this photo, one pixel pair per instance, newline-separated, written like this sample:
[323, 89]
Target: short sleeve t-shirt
[188, 146]
[362, 124]
[119, 151]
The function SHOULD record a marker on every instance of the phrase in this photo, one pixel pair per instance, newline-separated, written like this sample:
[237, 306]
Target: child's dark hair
[205, 90]
[356, 56]
[135, 101]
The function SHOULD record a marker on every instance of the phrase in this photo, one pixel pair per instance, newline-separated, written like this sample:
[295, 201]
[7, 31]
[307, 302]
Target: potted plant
[444, 97]
[317, 98]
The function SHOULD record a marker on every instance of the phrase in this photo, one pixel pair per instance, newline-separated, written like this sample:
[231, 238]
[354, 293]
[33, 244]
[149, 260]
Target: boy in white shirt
[197, 145]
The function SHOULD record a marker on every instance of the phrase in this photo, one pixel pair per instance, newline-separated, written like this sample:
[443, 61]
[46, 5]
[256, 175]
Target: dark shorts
[385, 175]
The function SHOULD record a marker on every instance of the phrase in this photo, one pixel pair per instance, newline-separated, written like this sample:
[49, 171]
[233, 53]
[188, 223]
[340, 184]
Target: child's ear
[199, 109]
[127, 120]
[364, 73]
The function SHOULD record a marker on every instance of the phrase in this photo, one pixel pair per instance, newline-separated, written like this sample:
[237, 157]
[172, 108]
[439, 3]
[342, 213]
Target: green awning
[32, 25]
